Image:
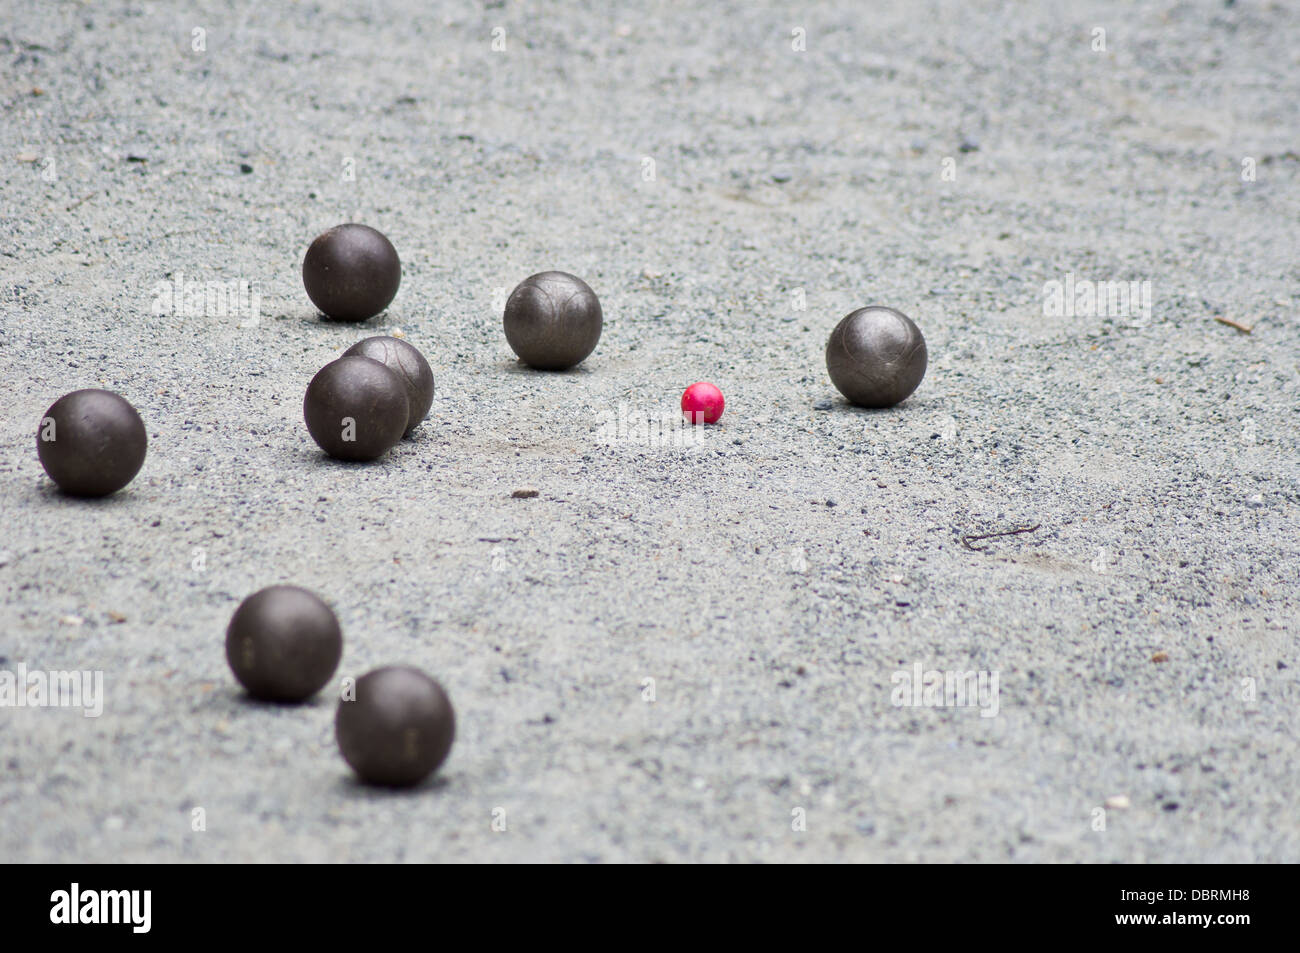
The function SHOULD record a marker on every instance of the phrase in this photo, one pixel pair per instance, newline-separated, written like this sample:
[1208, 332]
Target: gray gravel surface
[771, 579]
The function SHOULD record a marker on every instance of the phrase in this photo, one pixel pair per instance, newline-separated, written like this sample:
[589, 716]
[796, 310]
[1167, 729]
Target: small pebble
[525, 493]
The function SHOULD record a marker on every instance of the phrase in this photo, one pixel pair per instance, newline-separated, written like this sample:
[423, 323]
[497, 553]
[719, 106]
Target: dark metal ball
[553, 320]
[399, 727]
[283, 644]
[356, 408]
[407, 363]
[91, 442]
[351, 272]
[876, 357]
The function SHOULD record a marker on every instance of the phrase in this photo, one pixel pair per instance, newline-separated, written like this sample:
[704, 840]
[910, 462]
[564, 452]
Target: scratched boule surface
[770, 581]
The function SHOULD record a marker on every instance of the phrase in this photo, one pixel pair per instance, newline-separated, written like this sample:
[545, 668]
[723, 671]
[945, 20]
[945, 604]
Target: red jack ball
[702, 403]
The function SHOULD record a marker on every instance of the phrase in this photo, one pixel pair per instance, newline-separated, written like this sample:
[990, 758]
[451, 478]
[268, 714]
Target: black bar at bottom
[304, 903]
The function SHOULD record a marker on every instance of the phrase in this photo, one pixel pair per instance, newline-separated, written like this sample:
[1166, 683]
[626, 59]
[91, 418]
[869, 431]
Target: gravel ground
[729, 197]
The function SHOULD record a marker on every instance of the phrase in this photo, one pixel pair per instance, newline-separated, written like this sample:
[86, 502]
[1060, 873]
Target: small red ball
[702, 402]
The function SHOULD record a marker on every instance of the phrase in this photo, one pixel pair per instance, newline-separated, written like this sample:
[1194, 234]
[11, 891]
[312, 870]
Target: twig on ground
[1244, 329]
[967, 540]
